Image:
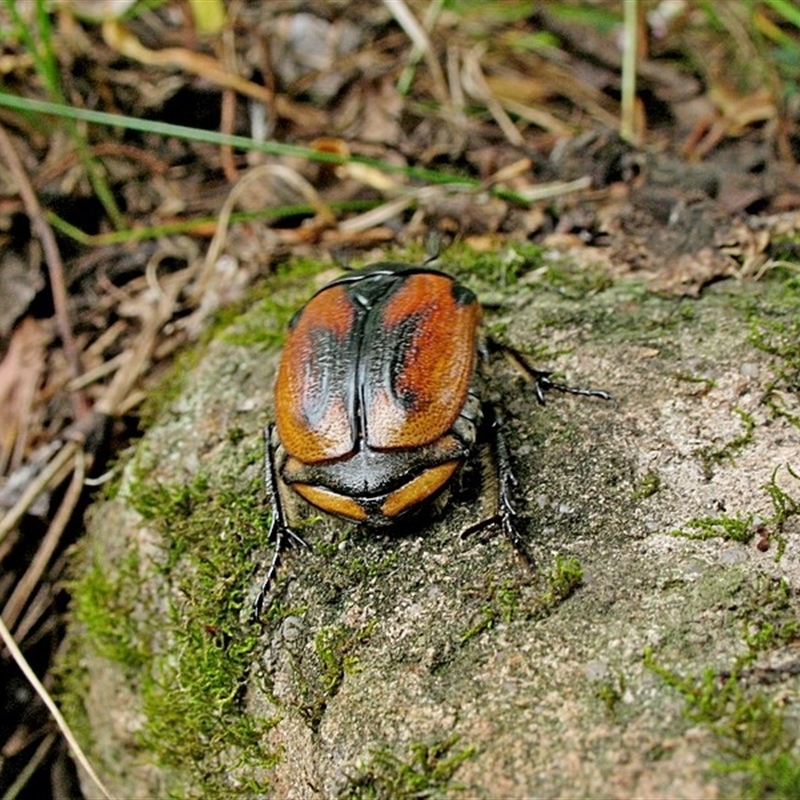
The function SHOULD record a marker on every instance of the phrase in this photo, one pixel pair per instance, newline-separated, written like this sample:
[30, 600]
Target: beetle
[378, 400]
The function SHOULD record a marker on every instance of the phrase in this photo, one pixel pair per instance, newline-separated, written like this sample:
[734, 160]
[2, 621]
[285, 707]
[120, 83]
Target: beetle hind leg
[279, 530]
[505, 482]
[543, 384]
[542, 379]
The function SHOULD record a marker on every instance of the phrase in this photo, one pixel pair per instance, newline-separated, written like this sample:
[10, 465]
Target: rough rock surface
[379, 650]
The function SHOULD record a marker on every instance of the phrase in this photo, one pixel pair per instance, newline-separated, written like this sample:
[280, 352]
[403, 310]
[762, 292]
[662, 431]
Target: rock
[423, 661]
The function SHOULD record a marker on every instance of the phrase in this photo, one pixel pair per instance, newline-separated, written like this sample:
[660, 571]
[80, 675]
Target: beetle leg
[279, 529]
[542, 382]
[506, 482]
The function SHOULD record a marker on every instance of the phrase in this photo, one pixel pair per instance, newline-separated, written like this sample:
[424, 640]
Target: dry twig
[55, 266]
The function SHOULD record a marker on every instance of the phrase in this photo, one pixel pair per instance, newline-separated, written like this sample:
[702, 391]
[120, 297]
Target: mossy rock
[423, 663]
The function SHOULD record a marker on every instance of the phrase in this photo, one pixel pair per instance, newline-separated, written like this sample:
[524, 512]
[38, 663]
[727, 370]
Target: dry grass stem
[422, 43]
[11, 518]
[123, 41]
[34, 681]
[52, 256]
[475, 84]
[27, 773]
[25, 586]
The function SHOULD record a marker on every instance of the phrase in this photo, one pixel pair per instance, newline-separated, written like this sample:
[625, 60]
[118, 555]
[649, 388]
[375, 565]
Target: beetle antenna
[433, 247]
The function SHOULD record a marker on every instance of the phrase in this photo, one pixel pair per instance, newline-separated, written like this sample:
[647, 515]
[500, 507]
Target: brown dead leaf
[20, 375]
[120, 39]
[688, 273]
[19, 283]
[734, 115]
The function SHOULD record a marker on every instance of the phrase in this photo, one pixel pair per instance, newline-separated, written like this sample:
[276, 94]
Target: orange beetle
[377, 401]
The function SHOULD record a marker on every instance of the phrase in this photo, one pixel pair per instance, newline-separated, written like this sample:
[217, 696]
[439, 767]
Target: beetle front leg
[279, 529]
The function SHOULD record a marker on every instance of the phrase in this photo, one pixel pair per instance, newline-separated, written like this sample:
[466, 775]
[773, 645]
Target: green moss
[251, 332]
[319, 682]
[428, 772]
[563, 580]
[736, 529]
[785, 506]
[507, 602]
[236, 435]
[164, 503]
[493, 269]
[768, 620]
[647, 485]
[105, 604]
[750, 731]
[775, 329]
[705, 383]
[741, 528]
[334, 647]
[194, 708]
[610, 692]
[485, 272]
[189, 647]
[502, 606]
[713, 456]
[754, 742]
